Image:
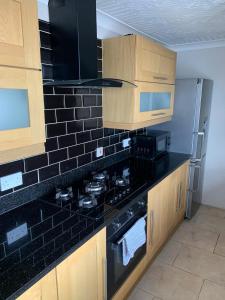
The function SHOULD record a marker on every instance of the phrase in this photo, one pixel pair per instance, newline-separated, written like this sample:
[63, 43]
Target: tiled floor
[191, 266]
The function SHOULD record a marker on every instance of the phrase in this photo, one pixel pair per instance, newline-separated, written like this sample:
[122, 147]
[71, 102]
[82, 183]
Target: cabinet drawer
[19, 36]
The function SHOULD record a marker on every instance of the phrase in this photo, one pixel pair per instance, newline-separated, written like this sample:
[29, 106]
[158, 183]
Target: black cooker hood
[74, 39]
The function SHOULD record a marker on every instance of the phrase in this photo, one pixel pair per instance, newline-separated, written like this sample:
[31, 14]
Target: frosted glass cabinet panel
[150, 101]
[14, 109]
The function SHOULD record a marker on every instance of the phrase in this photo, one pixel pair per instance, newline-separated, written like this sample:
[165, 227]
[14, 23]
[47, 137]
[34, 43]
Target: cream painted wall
[210, 63]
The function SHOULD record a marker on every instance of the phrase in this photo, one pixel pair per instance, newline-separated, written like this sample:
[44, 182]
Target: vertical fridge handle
[202, 135]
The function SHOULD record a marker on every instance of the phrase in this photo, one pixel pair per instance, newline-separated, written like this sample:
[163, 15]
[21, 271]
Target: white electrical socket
[10, 181]
[99, 151]
[16, 233]
[126, 142]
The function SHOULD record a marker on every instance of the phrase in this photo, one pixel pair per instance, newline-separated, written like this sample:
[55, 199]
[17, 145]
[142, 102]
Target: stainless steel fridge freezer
[189, 130]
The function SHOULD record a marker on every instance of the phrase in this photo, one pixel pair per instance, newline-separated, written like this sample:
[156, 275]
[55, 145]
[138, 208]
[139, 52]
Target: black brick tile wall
[74, 128]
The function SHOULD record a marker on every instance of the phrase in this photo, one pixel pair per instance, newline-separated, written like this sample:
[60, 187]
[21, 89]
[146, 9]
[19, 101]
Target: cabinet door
[45, 289]
[22, 129]
[82, 275]
[153, 101]
[154, 63]
[19, 35]
[157, 217]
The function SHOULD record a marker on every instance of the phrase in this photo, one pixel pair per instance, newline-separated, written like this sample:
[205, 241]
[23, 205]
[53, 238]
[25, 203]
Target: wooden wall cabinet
[21, 89]
[44, 289]
[148, 65]
[82, 275]
[19, 36]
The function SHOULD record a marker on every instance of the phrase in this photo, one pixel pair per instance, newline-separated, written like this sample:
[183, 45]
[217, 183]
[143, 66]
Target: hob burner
[95, 187]
[86, 201]
[64, 194]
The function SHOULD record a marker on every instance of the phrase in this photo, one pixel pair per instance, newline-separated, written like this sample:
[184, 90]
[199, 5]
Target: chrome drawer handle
[151, 227]
[160, 78]
[158, 114]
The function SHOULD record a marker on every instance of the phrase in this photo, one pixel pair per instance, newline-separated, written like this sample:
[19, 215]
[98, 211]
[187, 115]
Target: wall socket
[99, 151]
[17, 233]
[126, 142]
[10, 181]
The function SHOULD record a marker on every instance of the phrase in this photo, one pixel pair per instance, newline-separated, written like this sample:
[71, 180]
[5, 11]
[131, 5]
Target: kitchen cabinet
[82, 275]
[19, 37]
[44, 289]
[151, 68]
[22, 125]
[132, 108]
[137, 58]
[166, 208]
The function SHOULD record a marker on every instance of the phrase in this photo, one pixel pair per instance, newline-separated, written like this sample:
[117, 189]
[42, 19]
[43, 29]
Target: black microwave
[152, 145]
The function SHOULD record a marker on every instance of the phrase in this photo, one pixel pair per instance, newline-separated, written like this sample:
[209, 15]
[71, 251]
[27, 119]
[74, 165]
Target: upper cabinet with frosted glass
[22, 129]
[152, 68]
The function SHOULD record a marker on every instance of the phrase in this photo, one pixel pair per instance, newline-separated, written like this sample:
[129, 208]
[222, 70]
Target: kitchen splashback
[74, 128]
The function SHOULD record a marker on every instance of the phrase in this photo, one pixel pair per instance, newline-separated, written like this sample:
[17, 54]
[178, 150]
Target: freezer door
[194, 193]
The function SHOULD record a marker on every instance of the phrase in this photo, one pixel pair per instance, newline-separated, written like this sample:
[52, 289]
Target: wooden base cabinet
[44, 289]
[82, 275]
[166, 208]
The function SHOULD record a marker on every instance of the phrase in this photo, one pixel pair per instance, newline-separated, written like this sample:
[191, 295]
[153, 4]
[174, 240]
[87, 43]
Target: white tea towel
[133, 239]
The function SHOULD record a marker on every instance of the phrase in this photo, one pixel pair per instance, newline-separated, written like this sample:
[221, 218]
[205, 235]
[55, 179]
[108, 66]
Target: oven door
[117, 273]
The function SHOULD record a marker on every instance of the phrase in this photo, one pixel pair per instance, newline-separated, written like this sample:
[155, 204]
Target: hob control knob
[116, 225]
[141, 203]
[130, 213]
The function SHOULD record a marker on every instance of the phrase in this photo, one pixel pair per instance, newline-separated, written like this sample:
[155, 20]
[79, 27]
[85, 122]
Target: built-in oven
[117, 272]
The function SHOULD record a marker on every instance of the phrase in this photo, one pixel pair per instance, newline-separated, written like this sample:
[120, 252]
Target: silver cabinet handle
[105, 278]
[151, 227]
[180, 194]
[158, 114]
[160, 77]
[178, 197]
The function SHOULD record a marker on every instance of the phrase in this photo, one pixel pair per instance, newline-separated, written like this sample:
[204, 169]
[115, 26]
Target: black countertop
[54, 232]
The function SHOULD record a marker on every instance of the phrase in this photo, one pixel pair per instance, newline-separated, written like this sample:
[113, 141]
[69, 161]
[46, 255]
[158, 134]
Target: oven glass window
[154, 101]
[14, 109]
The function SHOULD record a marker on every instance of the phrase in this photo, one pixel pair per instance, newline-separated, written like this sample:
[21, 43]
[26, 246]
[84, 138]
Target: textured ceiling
[171, 22]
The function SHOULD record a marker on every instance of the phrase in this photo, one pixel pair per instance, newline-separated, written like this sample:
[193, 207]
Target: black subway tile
[119, 147]
[82, 113]
[63, 90]
[73, 101]
[70, 222]
[103, 142]
[48, 172]
[108, 131]
[114, 139]
[84, 159]
[89, 100]
[67, 140]
[43, 251]
[61, 216]
[100, 122]
[97, 134]
[2, 251]
[56, 129]
[66, 114]
[9, 260]
[58, 155]
[68, 165]
[45, 26]
[96, 112]
[54, 101]
[109, 150]
[41, 228]
[81, 91]
[99, 101]
[90, 124]
[28, 179]
[48, 90]
[123, 136]
[91, 146]
[99, 53]
[76, 150]
[51, 144]
[50, 116]
[75, 126]
[36, 162]
[83, 137]
[99, 43]
[13, 167]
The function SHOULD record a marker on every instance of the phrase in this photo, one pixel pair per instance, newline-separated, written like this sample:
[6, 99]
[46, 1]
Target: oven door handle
[121, 240]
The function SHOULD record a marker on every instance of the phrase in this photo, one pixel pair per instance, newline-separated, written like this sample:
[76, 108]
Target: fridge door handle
[198, 178]
[202, 135]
